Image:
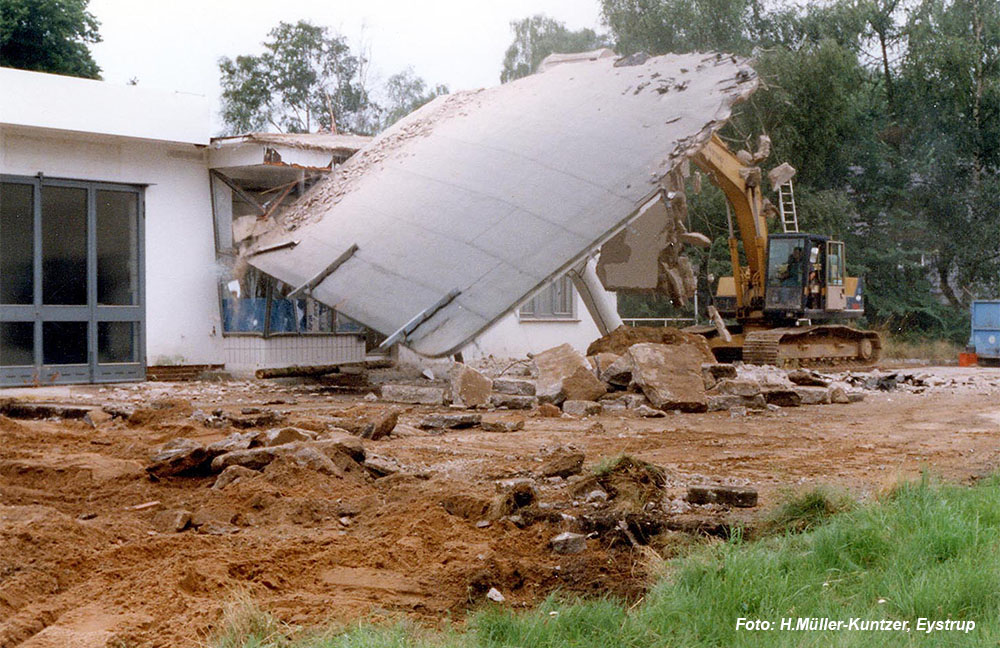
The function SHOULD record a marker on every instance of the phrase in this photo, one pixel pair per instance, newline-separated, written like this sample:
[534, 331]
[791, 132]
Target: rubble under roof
[451, 218]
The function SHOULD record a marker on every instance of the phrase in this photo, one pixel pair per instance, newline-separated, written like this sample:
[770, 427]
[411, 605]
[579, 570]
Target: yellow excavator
[792, 297]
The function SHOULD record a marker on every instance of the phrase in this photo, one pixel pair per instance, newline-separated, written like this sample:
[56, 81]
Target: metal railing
[658, 321]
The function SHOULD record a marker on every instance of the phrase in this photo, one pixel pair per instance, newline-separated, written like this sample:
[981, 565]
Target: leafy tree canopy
[49, 36]
[306, 79]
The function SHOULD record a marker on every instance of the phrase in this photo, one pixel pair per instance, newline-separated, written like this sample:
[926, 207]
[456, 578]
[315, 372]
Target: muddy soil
[81, 563]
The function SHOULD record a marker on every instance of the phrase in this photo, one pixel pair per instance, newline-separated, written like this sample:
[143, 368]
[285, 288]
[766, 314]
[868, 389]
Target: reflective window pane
[117, 248]
[17, 243]
[64, 343]
[116, 342]
[64, 246]
[17, 344]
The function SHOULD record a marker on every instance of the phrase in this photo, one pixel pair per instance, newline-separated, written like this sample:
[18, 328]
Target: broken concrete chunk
[469, 388]
[729, 495]
[281, 436]
[618, 373]
[581, 408]
[548, 410]
[342, 441]
[562, 463]
[450, 421]
[696, 238]
[235, 441]
[645, 411]
[669, 375]
[839, 393]
[312, 459]
[494, 594]
[179, 457]
[569, 543]
[413, 394]
[736, 387]
[514, 386]
[813, 395]
[512, 401]
[714, 372]
[722, 402]
[497, 424]
[780, 174]
[380, 467]
[806, 378]
[783, 397]
[256, 418]
[231, 475]
[172, 521]
[563, 373]
[254, 459]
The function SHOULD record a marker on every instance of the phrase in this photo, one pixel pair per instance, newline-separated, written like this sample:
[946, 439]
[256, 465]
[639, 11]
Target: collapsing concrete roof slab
[468, 206]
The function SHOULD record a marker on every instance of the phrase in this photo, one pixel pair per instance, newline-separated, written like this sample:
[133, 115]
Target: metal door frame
[92, 313]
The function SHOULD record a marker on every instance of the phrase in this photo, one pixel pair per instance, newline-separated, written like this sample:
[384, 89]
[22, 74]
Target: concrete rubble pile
[644, 372]
[331, 450]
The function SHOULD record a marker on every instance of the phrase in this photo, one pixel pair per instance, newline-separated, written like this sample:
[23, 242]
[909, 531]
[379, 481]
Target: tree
[49, 36]
[306, 79]
[405, 92]
[538, 36]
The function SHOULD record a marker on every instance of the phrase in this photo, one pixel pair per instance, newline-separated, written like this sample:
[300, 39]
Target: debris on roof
[471, 204]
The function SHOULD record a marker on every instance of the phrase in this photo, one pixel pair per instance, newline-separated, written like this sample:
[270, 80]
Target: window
[835, 263]
[252, 302]
[555, 302]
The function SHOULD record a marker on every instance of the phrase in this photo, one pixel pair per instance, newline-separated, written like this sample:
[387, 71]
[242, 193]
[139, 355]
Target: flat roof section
[51, 101]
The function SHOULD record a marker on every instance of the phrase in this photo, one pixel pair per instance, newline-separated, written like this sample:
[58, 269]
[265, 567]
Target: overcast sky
[176, 44]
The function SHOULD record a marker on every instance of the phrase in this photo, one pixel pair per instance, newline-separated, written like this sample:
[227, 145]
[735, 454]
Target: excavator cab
[805, 278]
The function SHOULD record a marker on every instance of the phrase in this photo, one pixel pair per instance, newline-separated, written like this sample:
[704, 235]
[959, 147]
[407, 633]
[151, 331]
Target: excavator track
[830, 346]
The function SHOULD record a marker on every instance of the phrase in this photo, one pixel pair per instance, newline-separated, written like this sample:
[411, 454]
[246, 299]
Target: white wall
[182, 312]
[515, 338]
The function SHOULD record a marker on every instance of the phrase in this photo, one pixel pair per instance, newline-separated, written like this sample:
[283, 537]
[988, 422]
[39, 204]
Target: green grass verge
[928, 550]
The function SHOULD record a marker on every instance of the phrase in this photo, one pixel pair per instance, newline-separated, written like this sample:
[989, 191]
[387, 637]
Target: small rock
[281, 436]
[313, 459]
[253, 458]
[838, 393]
[232, 474]
[380, 467]
[495, 595]
[173, 521]
[729, 495]
[482, 524]
[562, 463]
[596, 496]
[496, 424]
[646, 411]
[548, 410]
[581, 407]
[371, 397]
[569, 543]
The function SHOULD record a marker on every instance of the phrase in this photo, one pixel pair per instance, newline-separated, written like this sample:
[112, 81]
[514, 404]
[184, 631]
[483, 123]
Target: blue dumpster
[986, 328]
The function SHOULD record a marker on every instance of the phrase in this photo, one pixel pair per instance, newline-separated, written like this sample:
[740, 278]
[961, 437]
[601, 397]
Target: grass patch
[937, 352]
[803, 511]
[929, 550]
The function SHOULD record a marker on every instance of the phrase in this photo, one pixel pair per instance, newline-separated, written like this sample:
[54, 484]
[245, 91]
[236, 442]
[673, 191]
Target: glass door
[70, 282]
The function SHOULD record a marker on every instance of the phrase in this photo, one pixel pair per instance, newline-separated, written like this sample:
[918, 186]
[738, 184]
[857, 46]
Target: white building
[120, 219]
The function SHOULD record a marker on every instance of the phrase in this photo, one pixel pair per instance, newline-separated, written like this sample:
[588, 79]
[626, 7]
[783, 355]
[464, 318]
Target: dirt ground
[81, 565]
